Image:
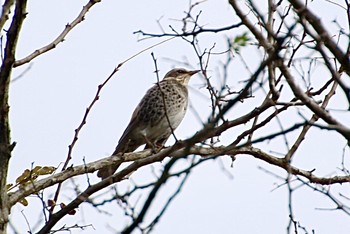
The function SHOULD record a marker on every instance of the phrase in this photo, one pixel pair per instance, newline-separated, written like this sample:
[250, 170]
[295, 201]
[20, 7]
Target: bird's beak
[193, 72]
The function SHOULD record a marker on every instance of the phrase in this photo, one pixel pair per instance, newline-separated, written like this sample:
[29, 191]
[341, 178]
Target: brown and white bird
[159, 113]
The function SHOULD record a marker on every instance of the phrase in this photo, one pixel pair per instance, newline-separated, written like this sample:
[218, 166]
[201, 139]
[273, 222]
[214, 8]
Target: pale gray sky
[48, 103]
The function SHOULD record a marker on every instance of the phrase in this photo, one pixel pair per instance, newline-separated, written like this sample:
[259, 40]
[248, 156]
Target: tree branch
[162, 180]
[305, 14]
[6, 10]
[60, 37]
[5, 77]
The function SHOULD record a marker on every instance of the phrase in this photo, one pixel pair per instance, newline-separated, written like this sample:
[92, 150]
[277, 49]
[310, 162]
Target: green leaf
[239, 42]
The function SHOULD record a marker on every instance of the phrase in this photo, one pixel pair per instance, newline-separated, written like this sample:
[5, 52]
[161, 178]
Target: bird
[158, 114]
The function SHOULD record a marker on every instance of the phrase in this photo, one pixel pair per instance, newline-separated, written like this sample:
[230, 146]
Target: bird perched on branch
[156, 117]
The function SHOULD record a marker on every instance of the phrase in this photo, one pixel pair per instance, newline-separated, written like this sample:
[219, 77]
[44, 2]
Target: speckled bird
[159, 113]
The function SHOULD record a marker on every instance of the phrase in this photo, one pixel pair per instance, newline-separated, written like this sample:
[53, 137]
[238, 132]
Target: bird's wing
[135, 126]
[125, 138]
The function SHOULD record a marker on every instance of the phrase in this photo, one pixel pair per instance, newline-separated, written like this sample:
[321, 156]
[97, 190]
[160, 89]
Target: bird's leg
[150, 145]
[160, 143]
[156, 146]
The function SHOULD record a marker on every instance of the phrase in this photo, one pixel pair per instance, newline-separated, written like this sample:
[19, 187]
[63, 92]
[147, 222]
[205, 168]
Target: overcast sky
[49, 101]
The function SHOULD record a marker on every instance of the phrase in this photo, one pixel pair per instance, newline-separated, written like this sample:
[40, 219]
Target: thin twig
[163, 97]
[60, 37]
[78, 129]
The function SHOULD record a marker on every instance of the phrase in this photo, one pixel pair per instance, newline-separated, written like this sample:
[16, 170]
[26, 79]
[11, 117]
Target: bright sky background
[48, 103]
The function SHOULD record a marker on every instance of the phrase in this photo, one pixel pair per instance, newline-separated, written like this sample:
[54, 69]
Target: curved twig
[60, 37]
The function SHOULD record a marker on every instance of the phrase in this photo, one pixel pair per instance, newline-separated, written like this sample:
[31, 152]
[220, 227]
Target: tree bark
[5, 75]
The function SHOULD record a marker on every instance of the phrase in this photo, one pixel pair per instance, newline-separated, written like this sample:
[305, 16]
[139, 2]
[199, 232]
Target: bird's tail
[122, 147]
[103, 173]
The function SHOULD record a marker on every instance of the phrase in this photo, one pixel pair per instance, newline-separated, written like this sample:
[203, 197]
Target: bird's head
[180, 75]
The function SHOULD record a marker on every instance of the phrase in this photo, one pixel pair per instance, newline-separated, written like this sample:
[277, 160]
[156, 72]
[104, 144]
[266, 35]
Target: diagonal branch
[311, 104]
[160, 182]
[273, 53]
[79, 128]
[60, 37]
[6, 10]
[163, 97]
[180, 150]
[305, 14]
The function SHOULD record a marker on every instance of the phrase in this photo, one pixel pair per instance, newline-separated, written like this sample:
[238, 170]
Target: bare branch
[191, 33]
[81, 125]
[6, 10]
[305, 14]
[5, 75]
[60, 37]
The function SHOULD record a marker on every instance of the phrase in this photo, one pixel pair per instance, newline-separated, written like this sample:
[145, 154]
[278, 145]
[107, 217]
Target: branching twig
[163, 97]
[81, 125]
[60, 37]
[6, 10]
[191, 33]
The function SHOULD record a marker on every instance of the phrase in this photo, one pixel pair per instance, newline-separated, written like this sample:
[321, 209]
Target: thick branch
[305, 14]
[179, 150]
[5, 74]
[311, 104]
[282, 163]
[298, 92]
